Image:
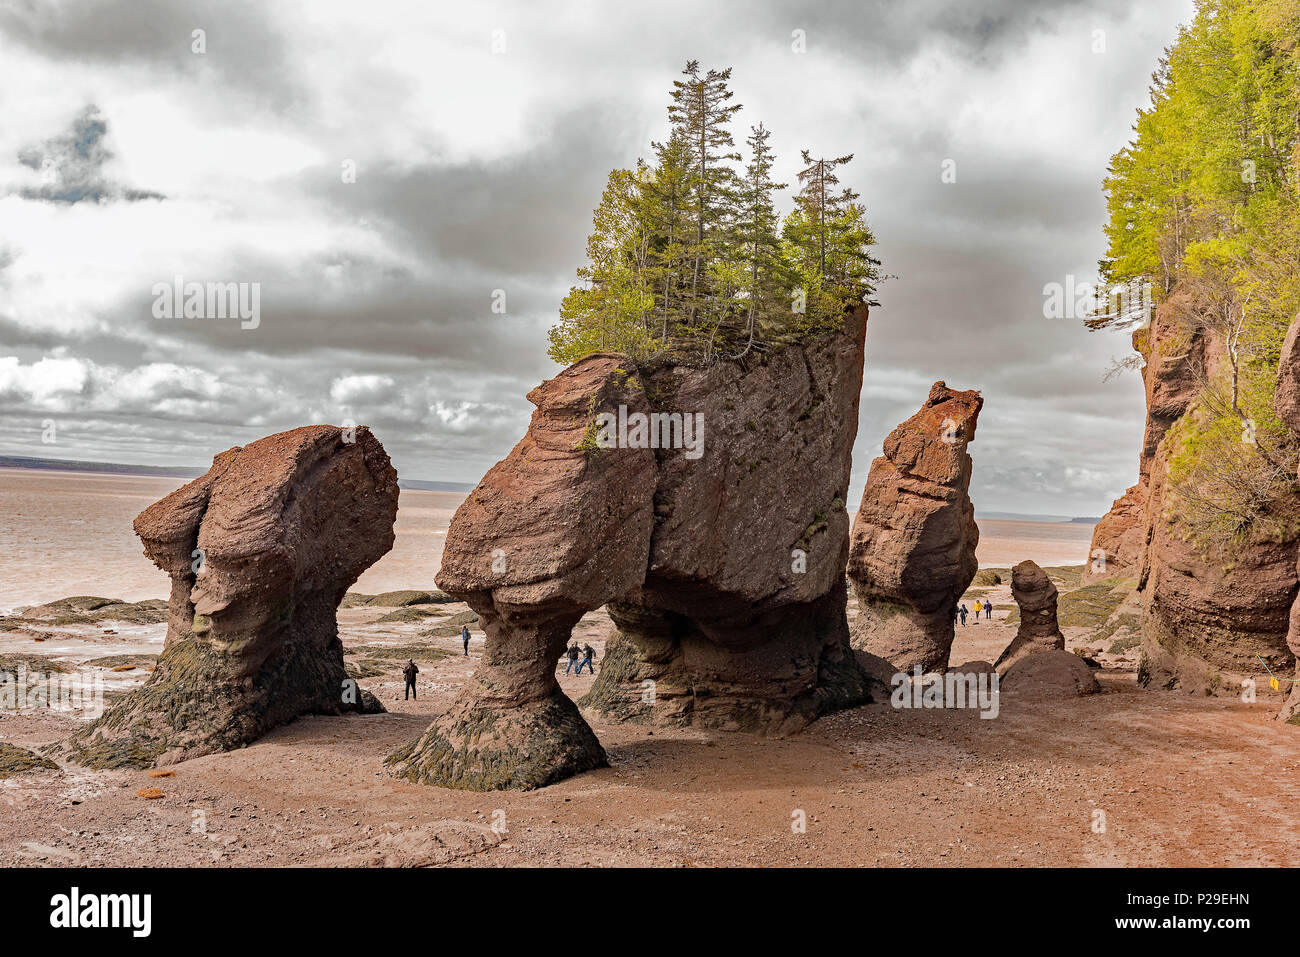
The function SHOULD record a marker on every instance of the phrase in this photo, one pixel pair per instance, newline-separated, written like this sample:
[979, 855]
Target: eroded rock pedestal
[720, 556]
[558, 528]
[913, 544]
[260, 551]
[1035, 595]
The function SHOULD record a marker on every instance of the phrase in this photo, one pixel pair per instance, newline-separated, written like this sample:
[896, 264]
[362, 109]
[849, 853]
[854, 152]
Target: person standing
[961, 610]
[409, 672]
[573, 658]
[464, 637]
[978, 608]
[587, 653]
[988, 609]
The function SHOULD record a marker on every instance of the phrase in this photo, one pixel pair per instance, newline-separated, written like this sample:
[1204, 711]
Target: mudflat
[1180, 779]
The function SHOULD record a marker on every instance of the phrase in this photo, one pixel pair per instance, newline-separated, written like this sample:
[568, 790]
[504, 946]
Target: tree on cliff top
[686, 258]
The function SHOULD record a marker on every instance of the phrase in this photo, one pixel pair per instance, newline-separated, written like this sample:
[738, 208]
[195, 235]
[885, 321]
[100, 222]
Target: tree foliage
[1206, 197]
[689, 256]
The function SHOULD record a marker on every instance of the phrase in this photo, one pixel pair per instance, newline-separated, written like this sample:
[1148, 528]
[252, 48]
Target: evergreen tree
[699, 113]
[686, 257]
[769, 276]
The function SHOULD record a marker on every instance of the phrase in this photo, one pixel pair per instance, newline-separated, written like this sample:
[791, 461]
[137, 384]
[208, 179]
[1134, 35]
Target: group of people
[580, 657]
[961, 611]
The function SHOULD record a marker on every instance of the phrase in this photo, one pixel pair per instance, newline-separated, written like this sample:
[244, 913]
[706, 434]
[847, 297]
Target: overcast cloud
[127, 159]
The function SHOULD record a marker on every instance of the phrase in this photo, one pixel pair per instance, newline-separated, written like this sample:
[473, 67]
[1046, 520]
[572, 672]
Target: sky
[385, 174]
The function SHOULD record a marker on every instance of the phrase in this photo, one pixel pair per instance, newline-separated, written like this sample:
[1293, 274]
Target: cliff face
[1207, 619]
[913, 546]
[1287, 404]
[720, 557]
[1119, 538]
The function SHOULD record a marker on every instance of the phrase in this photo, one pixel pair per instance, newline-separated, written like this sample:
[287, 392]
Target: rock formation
[1116, 549]
[1208, 619]
[1287, 403]
[1035, 594]
[1050, 673]
[260, 551]
[913, 546]
[719, 551]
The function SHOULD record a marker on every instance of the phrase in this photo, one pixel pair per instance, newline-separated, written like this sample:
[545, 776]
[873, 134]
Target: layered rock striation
[912, 552]
[260, 551]
[1035, 594]
[705, 508]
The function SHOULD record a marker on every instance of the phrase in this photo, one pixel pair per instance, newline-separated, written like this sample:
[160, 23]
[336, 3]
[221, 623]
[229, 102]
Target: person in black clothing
[409, 672]
[587, 653]
[573, 658]
[464, 637]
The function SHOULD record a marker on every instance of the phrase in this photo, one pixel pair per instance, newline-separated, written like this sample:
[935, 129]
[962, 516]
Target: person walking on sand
[409, 672]
[978, 608]
[961, 610]
[587, 653]
[573, 658]
[464, 637]
[988, 610]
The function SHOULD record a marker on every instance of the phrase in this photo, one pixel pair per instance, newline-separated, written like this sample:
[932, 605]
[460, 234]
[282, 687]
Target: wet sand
[69, 533]
[1182, 781]
[1004, 543]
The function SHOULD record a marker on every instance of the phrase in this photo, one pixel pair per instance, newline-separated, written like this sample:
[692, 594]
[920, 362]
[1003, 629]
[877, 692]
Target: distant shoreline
[177, 471]
[191, 472]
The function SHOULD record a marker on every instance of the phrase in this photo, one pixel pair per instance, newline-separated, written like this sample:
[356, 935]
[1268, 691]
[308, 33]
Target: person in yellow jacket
[978, 608]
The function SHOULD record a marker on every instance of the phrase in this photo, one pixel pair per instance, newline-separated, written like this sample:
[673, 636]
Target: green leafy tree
[1204, 200]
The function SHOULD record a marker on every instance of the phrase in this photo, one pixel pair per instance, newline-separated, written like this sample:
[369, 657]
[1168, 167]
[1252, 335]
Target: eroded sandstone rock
[1035, 594]
[1118, 539]
[1051, 673]
[1286, 401]
[913, 545]
[1209, 616]
[721, 565]
[557, 528]
[260, 550]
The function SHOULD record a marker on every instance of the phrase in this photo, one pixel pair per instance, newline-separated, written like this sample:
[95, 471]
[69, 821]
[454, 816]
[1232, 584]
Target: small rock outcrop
[912, 551]
[1051, 673]
[718, 549]
[1035, 594]
[260, 550]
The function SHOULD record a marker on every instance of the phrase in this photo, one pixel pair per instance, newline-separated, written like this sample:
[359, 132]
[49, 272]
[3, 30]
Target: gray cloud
[391, 324]
[244, 46]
